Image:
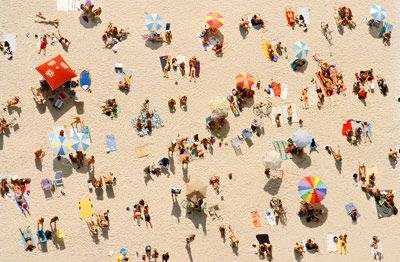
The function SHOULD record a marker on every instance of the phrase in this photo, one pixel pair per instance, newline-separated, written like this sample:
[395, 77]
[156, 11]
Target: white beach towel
[378, 251]
[212, 40]
[305, 11]
[68, 5]
[295, 117]
[180, 59]
[331, 245]
[269, 215]
[11, 38]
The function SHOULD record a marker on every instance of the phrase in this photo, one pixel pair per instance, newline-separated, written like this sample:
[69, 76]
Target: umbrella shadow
[375, 31]
[243, 32]
[303, 68]
[62, 165]
[199, 218]
[273, 186]
[321, 219]
[302, 161]
[176, 210]
[57, 113]
[225, 129]
[90, 23]
[153, 45]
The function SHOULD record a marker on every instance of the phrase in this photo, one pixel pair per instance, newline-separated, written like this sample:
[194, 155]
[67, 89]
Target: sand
[249, 189]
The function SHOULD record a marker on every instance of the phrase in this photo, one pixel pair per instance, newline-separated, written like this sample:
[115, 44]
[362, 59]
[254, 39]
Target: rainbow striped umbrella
[244, 80]
[312, 189]
[214, 19]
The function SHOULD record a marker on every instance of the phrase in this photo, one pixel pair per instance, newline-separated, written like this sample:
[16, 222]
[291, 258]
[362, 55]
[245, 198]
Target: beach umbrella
[301, 49]
[153, 22]
[377, 12]
[301, 138]
[80, 141]
[272, 160]
[219, 106]
[214, 19]
[244, 80]
[60, 145]
[196, 190]
[312, 189]
[56, 72]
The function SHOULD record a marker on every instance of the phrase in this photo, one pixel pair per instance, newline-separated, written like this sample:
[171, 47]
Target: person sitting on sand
[171, 104]
[43, 20]
[62, 40]
[192, 68]
[393, 155]
[265, 249]
[14, 101]
[109, 179]
[218, 48]
[110, 106]
[168, 36]
[257, 21]
[214, 182]
[98, 183]
[382, 85]
[336, 154]
[95, 14]
[183, 101]
[125, 84]
[190, 239]
[28, 240]
[92, 227]
[311, 245]
[4, 124]
[103, 220]
[354, 214]
[39, 154]
[290, 114]
[244, 24]
[299, 249]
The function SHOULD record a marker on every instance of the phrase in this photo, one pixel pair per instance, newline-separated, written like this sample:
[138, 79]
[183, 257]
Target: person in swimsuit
[147, 217]
[62, 40]
[43, 44]
[28, 239]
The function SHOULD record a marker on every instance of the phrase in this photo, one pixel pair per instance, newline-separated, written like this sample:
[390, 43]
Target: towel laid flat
[269, 215]
[331, 246]
[111, 143]
[11, 38]
[305, 12]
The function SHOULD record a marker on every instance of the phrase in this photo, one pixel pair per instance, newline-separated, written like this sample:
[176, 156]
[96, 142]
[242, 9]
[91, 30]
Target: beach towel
[289, 16]
[30, 234]
[11, 38]
[278, 90]
[312, 97]
[163, 62]
[269, 215]
[22, 189]
[68, 5]
[280, 147]
[85, 208]
[378, 251]
[350, 207]
[233, 105]
[305, 12]
[197, 68]
[346, 127]
[264, 47]
[111, 143]
[141, 151]
[21, 207]
[342, 246]
[331, 246]
[255, 219]
[85, 80]
[295, 117]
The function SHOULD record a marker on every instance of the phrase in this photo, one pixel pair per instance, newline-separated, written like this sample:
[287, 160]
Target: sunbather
[62, 40]
[299, 249]
[354, 214]
[29, 241]
[103, 220]
[167, 66]
[192, 68]
[4, 124]
[183, 101]
[336, 154]
[266, 249]
[110, 106]
[388, 200]
[92, 227]
[311, 245]
[77, 121]
[168, 36]
[386, 38]
[109, 179]
[14, 101]
[375, 247]
[182, 68]
[244, 24]
[393, 155]
[218, 48]
[43, 20]
[214, 182]
[232, 237]
[98, 183]
[382, 85]
[125, 84]
[90, 162]
[38, 97]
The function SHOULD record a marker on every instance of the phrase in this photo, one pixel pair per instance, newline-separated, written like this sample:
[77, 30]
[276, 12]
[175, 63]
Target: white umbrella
[272, 160]
[219, 106]
[377, 12]
[302, 138]
[153, 22]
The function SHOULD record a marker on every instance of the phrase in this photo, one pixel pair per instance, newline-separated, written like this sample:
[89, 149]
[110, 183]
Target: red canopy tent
[56, 72]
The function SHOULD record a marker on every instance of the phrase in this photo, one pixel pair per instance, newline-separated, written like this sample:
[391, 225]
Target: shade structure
[80, 141]
[272, 160]
[301, 138]
[214, 19]
[60, 145]
[219, 106]
[312, 189]
[56, 72]
[301, 49]
[244, 80]
[377, 12]
[153, 22]
[196, 190]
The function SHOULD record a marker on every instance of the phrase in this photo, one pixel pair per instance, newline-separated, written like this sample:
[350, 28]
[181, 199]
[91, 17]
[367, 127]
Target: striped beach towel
[280, 147]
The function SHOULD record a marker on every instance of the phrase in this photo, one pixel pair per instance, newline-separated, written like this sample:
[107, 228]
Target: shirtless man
[290, 114]
[336, 154]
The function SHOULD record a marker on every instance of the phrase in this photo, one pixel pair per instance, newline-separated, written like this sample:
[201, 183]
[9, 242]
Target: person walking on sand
[147, 217]
[190, 239]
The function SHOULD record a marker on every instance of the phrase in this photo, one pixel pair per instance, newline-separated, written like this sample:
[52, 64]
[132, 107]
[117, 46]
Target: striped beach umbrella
[60, 145]
[80, 141]
[214, 19]
[312, 189]
[153, 22]
[377, 12]
[301, 49]
[244, 80]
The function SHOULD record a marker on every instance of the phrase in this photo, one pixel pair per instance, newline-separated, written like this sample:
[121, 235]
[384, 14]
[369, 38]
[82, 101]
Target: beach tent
[196, 190]
[56, 72]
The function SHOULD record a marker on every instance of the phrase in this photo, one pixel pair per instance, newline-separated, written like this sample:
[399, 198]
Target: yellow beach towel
[372, 170]
[85, 208]
[342, 247]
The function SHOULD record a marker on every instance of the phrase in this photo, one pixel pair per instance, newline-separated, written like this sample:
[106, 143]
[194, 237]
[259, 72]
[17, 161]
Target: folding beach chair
[58, 178]
[46, 184]
[236, 142]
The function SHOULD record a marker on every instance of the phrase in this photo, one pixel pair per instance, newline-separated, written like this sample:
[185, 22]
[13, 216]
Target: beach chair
[236, 142]
[247, 134]
[46, 184]
[41, 236]
[386, 28]
[58, 178]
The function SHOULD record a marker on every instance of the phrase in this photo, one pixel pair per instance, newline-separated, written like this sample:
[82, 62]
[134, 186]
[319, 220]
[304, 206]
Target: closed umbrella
[214, 19]
[312, 189]
[219, 106]
[80, 141]
[302, 138]
[196, 190]
[301, 49]
[377, 12]
[272, 160]
[153, 22]
[60, 145]
[244, 80]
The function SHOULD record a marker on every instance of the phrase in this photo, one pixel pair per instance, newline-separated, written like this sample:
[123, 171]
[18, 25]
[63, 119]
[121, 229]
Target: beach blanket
[280, 147]
[264, 47]
[19, 205]
[212, 41]
[85, 208]
[255, 219]
[269, 215]
[29, 233]
[278, 90]
[378, 251]
[331, 246]
[325, 81]
[155, 120]
[350, 207]
[342, 246]
[305, 12]
[383, 210]
[163, 62]
[111, 143]
[11, 38]
[68, 5]
[312, 97]
[141, 151]
[85, 80]
[289, 15]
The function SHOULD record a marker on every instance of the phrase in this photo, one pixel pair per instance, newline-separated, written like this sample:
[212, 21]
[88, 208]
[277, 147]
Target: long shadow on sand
[302, 161]
[176, 210]
[198, 218]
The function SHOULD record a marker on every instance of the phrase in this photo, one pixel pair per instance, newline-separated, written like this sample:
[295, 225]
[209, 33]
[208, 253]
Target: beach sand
[249, 189]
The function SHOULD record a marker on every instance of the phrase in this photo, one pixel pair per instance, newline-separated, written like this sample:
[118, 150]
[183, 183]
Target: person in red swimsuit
[43, 44]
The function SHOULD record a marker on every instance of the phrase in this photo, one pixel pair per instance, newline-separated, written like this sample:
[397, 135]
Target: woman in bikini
[28, 240]
[62, 40]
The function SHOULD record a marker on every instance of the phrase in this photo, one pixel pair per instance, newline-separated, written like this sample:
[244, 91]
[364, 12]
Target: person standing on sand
[190, 239]
[43, 45]
[165, 257]
[54, 221]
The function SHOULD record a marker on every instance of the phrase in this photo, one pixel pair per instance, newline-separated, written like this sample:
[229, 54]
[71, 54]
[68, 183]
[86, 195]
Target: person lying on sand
[37, 96]
[110, 105]
[311, 245]
[29, 241]
[167, 66]
[232, 237]
[43, 20]
[257, 21]
[336, 154]
[125, 84]
[103, 220]
[92, 227]
[14, 101]
[62, 40]
[77, 121]
[183, 101]
[299, 249]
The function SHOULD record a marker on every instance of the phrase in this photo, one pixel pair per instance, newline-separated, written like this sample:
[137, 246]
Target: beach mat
[30, 234]
[269, 215]
[197, 68]
[255, 219]
[111, 143]
[279, 90]
[11, 38]
[142, 151]
[85, 80]
[305, 11]
[350, 207]
[280, 147]
[85, 208]
[331, 246]
[163, 62]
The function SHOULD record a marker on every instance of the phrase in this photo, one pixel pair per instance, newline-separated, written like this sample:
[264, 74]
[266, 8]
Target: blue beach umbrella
[301, 49]
[60, 145]
[80, 141]
[377, 12]
[153, 22]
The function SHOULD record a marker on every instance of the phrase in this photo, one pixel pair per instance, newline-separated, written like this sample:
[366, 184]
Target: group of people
[102, 221]
[89, 13]
[112, 36]
[5, 47]
[345, 17]
[141, 209]
[310, 212]
[110, 107]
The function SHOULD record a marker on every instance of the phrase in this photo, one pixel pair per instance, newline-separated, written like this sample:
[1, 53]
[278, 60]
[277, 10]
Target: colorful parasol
[312, 189]
[214, 19]
[60, 145]
[244, 80]
[377, 12]
[153, 22]
[80, 141]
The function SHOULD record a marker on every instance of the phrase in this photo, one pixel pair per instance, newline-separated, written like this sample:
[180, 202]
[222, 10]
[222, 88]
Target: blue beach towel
[280, 147]
[85, 80]
[350, 207]
[29, 233]
[111, 144]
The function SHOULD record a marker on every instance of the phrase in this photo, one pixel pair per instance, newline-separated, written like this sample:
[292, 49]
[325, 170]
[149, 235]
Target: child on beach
[43, 45]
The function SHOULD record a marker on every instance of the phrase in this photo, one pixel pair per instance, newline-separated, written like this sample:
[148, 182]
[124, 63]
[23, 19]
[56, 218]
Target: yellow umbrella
[244, 80]
[214, 19]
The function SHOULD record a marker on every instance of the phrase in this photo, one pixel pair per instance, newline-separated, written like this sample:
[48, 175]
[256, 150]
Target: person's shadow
[176, 210]
[189, 251]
